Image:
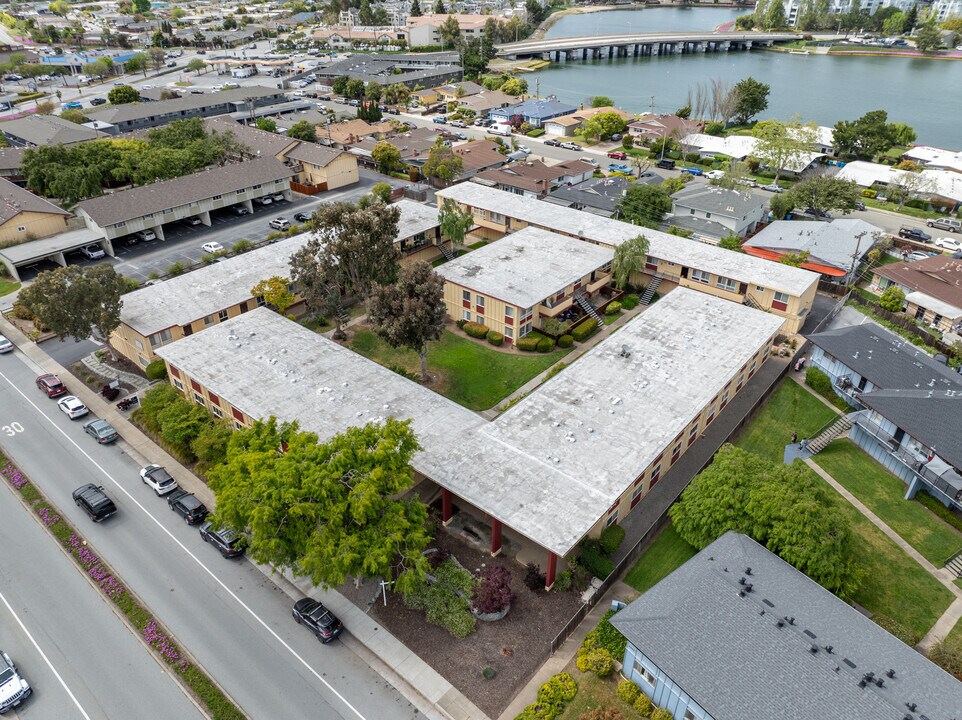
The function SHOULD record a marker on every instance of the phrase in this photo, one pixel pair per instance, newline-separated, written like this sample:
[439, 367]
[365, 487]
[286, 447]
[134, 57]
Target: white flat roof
[202, 292]
[934, 304]
[526, 267]
[682, 251]
[415, 218]
[551, 466]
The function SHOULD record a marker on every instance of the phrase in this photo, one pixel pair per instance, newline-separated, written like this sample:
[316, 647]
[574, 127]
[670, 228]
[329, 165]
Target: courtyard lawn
[594, 692]
[883, 493]
[8, 286]
[666, 553]
[790, 409]
[464, 371]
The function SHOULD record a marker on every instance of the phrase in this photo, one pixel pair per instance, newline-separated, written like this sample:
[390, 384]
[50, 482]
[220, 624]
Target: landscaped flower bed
[218, 705]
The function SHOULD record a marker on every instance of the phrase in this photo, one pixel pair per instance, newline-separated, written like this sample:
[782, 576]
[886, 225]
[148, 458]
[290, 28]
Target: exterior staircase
[446, 251]
[649, 293]
[751, 302]
[838, 428]
[954, 564]
[589, 309]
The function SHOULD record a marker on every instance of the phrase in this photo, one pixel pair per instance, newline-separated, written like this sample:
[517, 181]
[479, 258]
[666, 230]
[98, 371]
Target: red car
[51, 385]
[618, 155]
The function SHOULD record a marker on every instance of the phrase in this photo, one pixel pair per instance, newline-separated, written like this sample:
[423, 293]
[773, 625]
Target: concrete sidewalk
[420, 684]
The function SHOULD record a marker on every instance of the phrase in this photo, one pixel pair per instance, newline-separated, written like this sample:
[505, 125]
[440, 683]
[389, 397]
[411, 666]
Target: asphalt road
[79, 658]
[232, 618]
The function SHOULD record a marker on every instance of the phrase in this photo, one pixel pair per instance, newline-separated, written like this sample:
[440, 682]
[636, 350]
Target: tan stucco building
[25, 217]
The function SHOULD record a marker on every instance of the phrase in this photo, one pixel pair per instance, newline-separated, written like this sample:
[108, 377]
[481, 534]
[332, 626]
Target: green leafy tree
[645, 205]
[602, 101]
[373, 91]
[266, 124]
[603, 125]
[782, 146]
[137, 62]
[303, 130]
[750, 97]
[823, 193]
[365, 14]
[869, 135]
[156, 57]
[442, 165]
[397, 94]
[928, 38]
[912, 17]
[514, 86]
[455, 221]
[783, 507]
[894, 24]
[731, 242]
[76, 301]
[326, 510]
[410, 313]
[354, 89]
[808, 17]
[450, 32]
[415, 10]
[795, 259]
[382, 192]
[339, 86]
[387, 157]
[210, 445]
[780, 205]
[141, 6]
[276, 293]
[439, 8]
[195, 65]
[630, 258]
[59, 7]
[758, 17]
[893, 299]
[123, 95]
[775, 16]
[74, 116]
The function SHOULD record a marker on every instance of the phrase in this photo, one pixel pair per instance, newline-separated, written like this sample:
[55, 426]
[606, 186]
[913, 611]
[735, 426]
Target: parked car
[945, 224]
[618, 155]
[440, 120]
[72, 407]
[302, 217]
[319, 620]
[620, 167]
[666, 164]
[51, 385]
[266, 200]
[553, 143]
[910, 233]
[280, 223]
[240, 210]
[13, 688]
[525, 149]
[212, 247]
[158, 479]
[747, 181]
[570, 145]
[278, 197]
[772, 187]
[616, 137]
[393, 111]
[949, 244]
[715, 174]
[94, 501]
[590, 161]
[92, 252]
[227, 542]
[101, 431]
[5, 345]
[817, 214]
[458, 124]
[859, 205]
[917, 255]
[98, 101]
[697, 172]
[72, 105]
[193, 221]
[147, 235]
[187, 506]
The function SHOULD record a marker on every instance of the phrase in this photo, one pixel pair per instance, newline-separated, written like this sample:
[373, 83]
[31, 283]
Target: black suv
[187, 506]
[94, 501]
[910, 233]
[321, 621]
[229, 543]
[666, 164]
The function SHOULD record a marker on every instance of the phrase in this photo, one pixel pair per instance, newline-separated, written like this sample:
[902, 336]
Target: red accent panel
[495, 536]
[238, 415]
[213, 398]
[479, 309]
[445, 505]
[779, 305]
[196, 385]
[466, 303]
[552, 570]
[509, 321]
[174, 371]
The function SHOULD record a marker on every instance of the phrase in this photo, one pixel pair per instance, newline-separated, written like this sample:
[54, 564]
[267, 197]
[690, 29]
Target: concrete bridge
[589, 47]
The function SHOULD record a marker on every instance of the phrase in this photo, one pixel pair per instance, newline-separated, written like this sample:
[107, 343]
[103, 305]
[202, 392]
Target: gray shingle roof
[314, 154]
[47, 130]
[156, 197]
[885, 359]
[727, 652]
[259, 141]
[831, 243]
[730, 203]
[135, 111]
[15, 200]
[934, 417]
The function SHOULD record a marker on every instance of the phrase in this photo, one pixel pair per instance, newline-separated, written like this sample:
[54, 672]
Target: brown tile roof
[15, 200]
[344, 133]
[159, 196]
[479, 154]
[313, 154]
[939, 277]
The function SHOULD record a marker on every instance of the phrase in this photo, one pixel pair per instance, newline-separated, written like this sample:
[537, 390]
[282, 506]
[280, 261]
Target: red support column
[445, 507]
[552, 571]
[495, 537]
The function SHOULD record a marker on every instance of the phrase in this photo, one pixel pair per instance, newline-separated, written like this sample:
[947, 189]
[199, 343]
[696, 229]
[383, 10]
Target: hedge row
[476, 330]
[553, 697]
[584, 330]
[185, 429]
[217, 704]
[939, 509]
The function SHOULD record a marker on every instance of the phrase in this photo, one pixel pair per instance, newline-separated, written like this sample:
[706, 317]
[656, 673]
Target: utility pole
[652, 106]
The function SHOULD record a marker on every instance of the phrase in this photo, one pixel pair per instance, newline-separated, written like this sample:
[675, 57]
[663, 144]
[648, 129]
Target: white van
[498, 129]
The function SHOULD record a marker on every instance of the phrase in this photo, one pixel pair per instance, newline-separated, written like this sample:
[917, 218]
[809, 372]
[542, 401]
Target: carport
[51, 248]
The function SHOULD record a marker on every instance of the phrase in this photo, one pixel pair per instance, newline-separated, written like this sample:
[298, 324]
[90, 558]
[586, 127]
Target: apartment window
[711, 415]
[479, 319]
[692, 434]
[199, 399]
[759, 288]
[636, 495]
[701, 276]
[781, 301]
[21, 228]
[217, 411]
[238, 425]
[509, 333]
[655, 476]
[496, 217]
[612, 519]
[168, 211]
[741, 381]
[261, 302]
[218, 197]
[466, 295]
[222, 315]
[724, 401]
[524, 330]
[142, 360]
[466, 315]
[751, 370]
[208, 320]
[726, 284]
[689, 715]
[161, 338]
[178, 384]
[479, 300]
[140, 345]
[692, 211]
[238, 415]
[508, 311]
[675, 454]
[707, 214]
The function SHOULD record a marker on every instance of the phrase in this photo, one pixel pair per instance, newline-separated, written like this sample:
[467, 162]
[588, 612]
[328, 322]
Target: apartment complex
[785, 291]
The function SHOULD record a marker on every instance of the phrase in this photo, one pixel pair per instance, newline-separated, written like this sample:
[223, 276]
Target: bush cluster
[534, 579]
[157, 370]
[822, 384]
[595, 660]
[939, 509]
[565, 341]
[545, 345]
[529, 342]
[869, 193]
[629, 302]
[628, 691]
[611, 539]
[613, 308]
[495, 338]
[476, 330]
[643, 705]
[184, 428]
[607, 636]
[445, 599]
[594, 559]
[584, 330]
[553, 697]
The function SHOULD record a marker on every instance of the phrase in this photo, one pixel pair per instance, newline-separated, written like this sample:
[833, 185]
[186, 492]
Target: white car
[158, 479]
[949, 244]
[147, 235]
[92, 252]
[715, 174]
[773, 187]
[5, 345]
[917, 255]
[524, 148]
[263, 200]
[278, 197]
[280, 223]
[72, 406]
[212, 247]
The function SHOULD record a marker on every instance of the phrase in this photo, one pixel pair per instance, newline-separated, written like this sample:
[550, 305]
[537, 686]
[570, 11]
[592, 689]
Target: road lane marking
[44, 656]
[186, 550]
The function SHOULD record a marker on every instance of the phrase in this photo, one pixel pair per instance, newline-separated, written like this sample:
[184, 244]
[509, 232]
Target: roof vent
[625, 352]
[911, 706]
[780, 624]
[890, 674]
[748, 571]
[829, 649]
[748, 587]
[813, 649]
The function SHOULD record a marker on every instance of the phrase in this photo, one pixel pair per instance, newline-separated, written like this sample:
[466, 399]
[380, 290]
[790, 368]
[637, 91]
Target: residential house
[350, 132]
[318, 168]
[25, 216]
[477, 156]
[426, 97]
[940, 186]
[907, 405]
[11, 158]
[414, 146]
[713, 212]
[550, 471]
[419, 233]
[533, 111]
[933, 158]
[932, 287]
[736, 631]
[485, 101]
[785, 291]
[533, 178]
[600, 196]
[833, 249]
[512, 285]
[569, 124]
[654, 127]
[454, 92]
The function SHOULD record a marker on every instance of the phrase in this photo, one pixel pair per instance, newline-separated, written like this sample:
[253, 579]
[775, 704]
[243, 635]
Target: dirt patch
[95, 381]
[123, 364]
[514, 647]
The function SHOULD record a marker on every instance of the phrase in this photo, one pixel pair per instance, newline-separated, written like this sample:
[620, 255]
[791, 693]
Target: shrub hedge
[607, 636]
[584, 330]
[495, 338]
[565, 341]
[595, 660]
[184, 428]
[822, 384]
[594, 560]
[613, 308]
[529, 343]
[553, 697]
[445, 601]
[629, 302]
[476, 330]
[939, 509]
[611, 539]
[643, 705]
[545, 345]
[157, 370]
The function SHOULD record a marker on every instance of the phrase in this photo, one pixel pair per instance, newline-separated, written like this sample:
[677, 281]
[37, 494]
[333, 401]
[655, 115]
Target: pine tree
[415, 9]
[775, 15]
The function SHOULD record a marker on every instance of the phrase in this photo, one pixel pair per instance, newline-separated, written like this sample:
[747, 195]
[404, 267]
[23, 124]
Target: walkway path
[105, 370]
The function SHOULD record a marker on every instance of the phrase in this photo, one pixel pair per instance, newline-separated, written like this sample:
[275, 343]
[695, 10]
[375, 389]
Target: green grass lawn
[8, 286]
[464, 371]
[594, 692]
[883, 493]
[790, 409]
[665, 554]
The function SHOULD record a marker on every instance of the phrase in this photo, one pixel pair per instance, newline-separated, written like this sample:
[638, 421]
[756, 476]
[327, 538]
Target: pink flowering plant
[218, 705]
